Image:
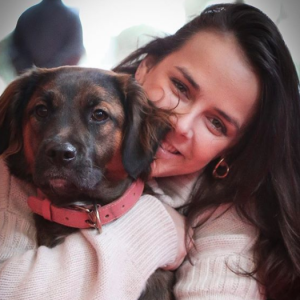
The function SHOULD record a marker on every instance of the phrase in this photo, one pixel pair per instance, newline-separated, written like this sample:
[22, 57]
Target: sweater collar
[178, 187]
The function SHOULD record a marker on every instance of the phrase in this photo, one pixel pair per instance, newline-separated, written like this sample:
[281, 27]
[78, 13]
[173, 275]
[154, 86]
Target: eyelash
[180, 87]
[222, 129]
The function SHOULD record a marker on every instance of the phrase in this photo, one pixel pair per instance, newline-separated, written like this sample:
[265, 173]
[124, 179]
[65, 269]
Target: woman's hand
[179, 221]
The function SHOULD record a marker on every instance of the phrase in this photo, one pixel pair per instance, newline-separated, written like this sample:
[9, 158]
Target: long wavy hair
[264, 180]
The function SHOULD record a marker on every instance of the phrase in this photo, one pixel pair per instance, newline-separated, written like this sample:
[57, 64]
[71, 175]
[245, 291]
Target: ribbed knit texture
[223, 249]
[115, 264]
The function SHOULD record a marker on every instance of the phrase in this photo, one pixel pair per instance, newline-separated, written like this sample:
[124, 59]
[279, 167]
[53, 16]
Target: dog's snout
[61, 153]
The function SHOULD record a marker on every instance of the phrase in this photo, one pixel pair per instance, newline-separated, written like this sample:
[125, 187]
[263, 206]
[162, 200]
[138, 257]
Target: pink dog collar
[91, 216]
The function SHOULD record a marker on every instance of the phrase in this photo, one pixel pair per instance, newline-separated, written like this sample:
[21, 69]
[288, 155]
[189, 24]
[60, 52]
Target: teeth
[166, 146]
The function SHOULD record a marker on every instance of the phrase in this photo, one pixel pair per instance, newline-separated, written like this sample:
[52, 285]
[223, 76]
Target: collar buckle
[90, 216]
[93, 220]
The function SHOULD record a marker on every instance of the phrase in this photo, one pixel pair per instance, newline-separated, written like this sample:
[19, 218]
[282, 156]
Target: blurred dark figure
[47, 35]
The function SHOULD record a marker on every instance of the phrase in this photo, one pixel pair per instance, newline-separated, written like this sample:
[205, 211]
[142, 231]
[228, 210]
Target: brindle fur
[93, 128]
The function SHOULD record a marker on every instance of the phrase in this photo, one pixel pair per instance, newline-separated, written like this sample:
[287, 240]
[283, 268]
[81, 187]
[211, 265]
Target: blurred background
[111, 29]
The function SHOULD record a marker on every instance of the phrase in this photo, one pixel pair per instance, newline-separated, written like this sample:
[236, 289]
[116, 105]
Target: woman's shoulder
[223, 249]
[225, 231]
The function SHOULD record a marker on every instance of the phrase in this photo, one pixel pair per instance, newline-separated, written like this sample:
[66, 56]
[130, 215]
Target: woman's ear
[145, 65]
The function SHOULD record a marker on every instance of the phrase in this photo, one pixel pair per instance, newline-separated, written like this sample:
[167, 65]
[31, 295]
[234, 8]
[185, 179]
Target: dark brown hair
[264, 179]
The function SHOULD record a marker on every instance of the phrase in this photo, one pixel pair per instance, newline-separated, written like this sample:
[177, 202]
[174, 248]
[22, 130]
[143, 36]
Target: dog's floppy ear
[12, 104]
[145, 126]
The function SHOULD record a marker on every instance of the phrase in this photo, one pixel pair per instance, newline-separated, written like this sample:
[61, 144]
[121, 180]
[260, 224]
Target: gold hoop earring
[221, 169]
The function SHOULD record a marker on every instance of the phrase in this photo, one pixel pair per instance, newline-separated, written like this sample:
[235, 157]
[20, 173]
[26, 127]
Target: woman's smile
[167, 149]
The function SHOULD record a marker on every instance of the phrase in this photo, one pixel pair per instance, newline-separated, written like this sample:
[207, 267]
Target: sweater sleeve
[112, 265]
[222, 252]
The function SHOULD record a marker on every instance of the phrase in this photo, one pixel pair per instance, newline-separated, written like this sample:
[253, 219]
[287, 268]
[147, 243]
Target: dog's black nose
[61, 153]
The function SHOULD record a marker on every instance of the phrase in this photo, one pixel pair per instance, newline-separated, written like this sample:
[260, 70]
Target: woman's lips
[166, 151]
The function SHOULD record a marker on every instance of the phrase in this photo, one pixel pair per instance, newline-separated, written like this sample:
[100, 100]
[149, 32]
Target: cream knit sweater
[115, 264]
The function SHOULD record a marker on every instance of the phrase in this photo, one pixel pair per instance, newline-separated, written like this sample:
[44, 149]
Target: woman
[230, 79]
[256, 139]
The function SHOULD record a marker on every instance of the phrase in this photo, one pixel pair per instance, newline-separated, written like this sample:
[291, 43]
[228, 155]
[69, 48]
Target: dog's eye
[99, 115]
[41, 111]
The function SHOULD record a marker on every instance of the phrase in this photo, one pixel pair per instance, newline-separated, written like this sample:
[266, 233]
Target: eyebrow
[47, 95]
[229, 119]
[93, 99]
[188, 77]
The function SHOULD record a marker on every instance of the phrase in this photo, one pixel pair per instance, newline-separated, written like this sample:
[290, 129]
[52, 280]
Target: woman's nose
[183, 125]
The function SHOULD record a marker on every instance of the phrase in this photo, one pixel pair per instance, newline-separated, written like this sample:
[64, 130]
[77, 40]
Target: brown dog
[82, 136]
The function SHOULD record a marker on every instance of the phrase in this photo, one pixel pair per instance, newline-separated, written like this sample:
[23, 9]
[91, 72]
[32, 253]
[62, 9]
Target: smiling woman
[230, 79]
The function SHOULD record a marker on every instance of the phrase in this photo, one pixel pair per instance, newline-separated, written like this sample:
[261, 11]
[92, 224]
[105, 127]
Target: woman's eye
[180, 87]
[218, 125]
[99, 115]
[41, 111]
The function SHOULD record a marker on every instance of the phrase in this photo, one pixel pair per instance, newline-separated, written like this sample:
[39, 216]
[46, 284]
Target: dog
[84, 137]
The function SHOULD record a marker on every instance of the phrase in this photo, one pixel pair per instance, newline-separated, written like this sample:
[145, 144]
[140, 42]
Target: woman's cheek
[155, 94]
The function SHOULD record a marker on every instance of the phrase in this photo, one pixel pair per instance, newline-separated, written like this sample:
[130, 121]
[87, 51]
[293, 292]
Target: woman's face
[214, 93]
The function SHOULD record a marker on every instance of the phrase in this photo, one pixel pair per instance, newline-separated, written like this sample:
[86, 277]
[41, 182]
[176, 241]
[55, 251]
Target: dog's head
[69, 130]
